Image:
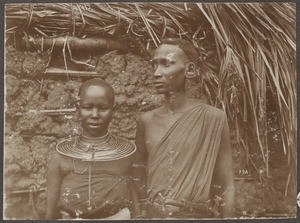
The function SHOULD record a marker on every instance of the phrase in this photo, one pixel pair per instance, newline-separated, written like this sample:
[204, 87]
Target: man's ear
[191, 71]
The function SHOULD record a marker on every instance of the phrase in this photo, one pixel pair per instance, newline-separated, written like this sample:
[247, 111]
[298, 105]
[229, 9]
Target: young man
[184, 143]
[89, 175]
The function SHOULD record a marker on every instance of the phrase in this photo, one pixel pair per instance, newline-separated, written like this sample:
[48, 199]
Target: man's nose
[157, 72]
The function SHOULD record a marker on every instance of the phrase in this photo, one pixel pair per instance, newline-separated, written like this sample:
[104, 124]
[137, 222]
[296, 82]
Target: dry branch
[28, 191]
[71, 73]
[75, 43]
[63, 111]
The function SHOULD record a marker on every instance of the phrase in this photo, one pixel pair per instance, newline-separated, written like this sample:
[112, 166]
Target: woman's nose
[95, 112]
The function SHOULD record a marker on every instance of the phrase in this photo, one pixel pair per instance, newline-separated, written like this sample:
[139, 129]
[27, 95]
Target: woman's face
[95, 110]
[169, 63]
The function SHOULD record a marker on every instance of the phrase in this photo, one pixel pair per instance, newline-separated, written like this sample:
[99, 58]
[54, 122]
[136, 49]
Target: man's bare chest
[157, 128]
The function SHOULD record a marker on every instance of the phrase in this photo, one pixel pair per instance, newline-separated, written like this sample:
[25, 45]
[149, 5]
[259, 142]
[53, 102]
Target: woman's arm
[54, 179]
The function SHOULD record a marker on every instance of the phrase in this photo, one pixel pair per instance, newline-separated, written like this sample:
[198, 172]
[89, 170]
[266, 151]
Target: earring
[77, 131]
[191, 74]
[191, 71]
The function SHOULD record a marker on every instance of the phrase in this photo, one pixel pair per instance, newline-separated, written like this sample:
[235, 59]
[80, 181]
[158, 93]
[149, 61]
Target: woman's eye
[86, 107]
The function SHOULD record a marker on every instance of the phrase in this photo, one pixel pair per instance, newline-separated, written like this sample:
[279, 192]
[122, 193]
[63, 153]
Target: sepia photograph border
[260, 219]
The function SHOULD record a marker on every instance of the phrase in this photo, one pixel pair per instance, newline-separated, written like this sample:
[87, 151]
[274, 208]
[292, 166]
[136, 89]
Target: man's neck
[175, 101]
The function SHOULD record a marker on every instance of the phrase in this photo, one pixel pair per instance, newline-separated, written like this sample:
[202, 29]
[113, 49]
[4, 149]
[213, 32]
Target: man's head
[95, 107]
[186, 46]
[173, 60]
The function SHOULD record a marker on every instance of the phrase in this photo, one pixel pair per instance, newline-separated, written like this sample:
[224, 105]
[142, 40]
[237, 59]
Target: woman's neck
[93, 139]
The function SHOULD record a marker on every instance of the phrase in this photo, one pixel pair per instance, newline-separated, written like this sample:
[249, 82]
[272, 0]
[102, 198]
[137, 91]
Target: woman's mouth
[158, 84]
[94, 125]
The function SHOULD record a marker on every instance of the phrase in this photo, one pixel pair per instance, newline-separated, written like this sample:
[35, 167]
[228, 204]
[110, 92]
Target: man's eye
[153, 63]
[167, 63]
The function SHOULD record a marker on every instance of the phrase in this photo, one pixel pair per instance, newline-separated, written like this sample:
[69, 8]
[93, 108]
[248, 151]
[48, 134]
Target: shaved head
[97, 82]
[186, 46]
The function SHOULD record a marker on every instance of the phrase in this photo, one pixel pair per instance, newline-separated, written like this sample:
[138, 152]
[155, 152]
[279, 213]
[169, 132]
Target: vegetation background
[247, 68]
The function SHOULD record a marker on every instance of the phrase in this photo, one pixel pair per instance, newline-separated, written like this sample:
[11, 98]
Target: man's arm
[224, 176]
[136, 211]
[54, 180]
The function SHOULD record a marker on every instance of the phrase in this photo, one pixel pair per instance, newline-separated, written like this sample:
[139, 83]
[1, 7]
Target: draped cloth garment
[109, 195]
[180, 166]
[93, 195]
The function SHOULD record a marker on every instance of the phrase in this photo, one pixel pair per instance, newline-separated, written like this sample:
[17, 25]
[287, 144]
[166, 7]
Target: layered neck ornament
[90, 149]
[105, 148]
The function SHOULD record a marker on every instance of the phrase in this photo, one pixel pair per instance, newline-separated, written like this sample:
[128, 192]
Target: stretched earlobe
[77, 131]
[190, 74]
[77, 115]
[191, 71]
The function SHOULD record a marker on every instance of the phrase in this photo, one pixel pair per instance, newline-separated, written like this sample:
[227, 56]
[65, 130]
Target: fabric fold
[180, 166]
[110, 194]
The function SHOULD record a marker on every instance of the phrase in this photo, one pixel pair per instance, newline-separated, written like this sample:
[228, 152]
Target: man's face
[95, 110]
[169, 63]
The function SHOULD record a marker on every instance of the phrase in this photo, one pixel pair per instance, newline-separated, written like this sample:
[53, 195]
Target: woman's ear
[77, 102]
[77, 106]
[114, 108]
[191, 70]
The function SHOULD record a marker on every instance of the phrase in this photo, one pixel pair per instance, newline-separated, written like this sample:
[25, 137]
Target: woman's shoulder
[122, 140]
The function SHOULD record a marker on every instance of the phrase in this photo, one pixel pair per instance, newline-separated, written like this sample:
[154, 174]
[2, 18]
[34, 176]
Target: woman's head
[95, 107]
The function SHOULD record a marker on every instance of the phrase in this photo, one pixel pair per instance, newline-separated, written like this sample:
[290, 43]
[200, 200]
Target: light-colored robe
[180, 167]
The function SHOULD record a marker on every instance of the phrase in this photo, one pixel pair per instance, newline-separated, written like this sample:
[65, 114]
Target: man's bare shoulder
[211, 110]
[149, 115]
[215, 112]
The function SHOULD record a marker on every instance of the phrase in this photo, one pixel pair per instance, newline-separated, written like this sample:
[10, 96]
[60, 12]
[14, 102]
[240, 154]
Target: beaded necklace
[111, 148]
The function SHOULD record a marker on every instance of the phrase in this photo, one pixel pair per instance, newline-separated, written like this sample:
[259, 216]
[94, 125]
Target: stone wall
[31, 136]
